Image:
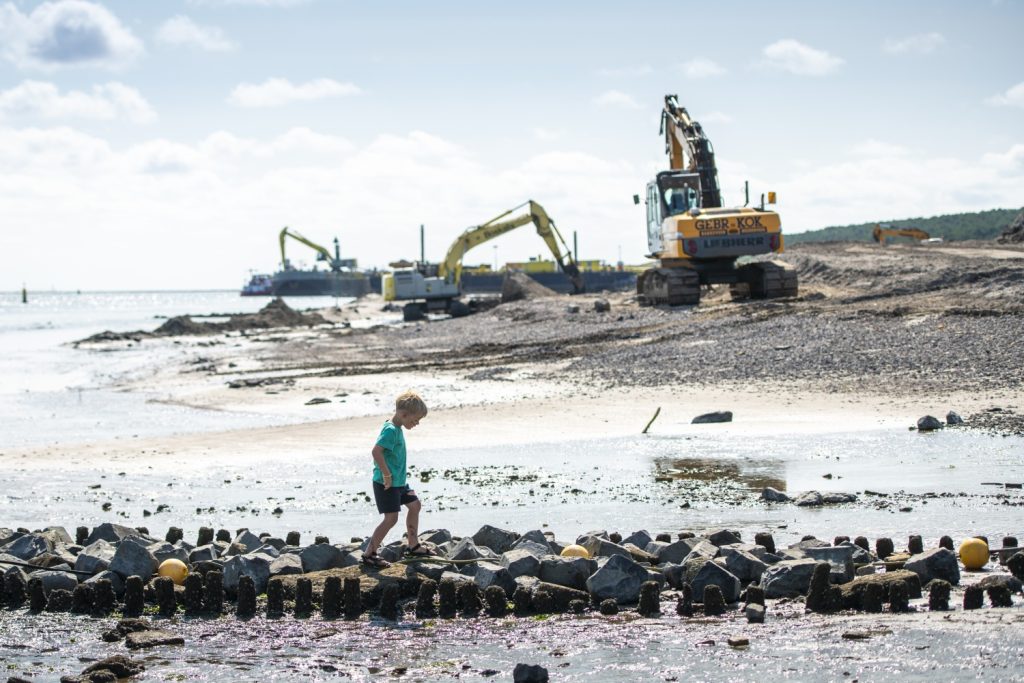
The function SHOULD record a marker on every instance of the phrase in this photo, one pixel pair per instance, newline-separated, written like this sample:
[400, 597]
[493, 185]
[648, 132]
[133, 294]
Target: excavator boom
[881, 232]
[322, 253]
[451, 267]
[689, 149]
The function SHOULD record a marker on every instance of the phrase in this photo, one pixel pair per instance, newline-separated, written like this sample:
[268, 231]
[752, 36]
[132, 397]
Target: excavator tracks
[672, 286]
[765, 280]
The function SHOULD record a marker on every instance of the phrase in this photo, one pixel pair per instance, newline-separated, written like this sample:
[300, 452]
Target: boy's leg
[386, 524]
[412, 523]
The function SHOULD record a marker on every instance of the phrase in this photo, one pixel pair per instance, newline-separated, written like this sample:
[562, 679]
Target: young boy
[389, 480]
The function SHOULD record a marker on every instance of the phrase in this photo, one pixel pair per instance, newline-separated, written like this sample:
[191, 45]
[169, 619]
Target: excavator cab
[671, 193]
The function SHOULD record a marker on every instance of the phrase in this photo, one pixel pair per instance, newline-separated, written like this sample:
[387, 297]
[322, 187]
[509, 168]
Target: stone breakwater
[494, 572]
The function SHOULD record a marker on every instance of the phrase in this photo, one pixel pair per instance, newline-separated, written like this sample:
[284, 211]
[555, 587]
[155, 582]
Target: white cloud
[1013, 97]
[899, 185]
[181, 30]
[616, 98]
[627, 71]
[921, 43]
[701, 68]
[110, 101]
[66, 33]
[275, 92]
[797, 58]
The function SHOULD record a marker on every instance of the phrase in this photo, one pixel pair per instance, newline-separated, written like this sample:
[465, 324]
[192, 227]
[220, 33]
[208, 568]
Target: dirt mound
[180, 325]
[520, 286]
[1015, 232]
[276, 314]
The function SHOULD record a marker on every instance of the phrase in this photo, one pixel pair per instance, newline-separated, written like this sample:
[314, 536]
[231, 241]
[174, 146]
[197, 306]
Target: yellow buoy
[575, 551]
[974, 553]
[175, 570]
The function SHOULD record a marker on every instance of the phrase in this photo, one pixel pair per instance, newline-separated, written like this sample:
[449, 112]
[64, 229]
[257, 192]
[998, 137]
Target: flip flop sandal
[376, 560]
[418, 551]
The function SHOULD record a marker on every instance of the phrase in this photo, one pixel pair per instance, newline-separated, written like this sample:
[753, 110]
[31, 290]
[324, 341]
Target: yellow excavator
[882, 232]
[437, 287]
[335, 262]
[694, 238]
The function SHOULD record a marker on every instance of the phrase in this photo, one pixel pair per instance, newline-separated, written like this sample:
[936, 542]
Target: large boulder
[602, 547]
[571, 572]
[773, 495]
[937, 563]
[116, 582]
[711, 418]
[498, 540]
[640, 539]
[677, 552]
[744, 566]
[840, 559]
[788, 579]
[286, 564]
[321, 556]
[28, 546]
[166, 551]
[538, 550]
[131, 559]
[466, 549]
[8, 535]
[95, 557]
[619, 578]
[111, 533]
[52, 580]
[58, 535]
[929, 423]
[255, 565]
[720, 537]
[493, 574]
[712, 574]
[204, 553]
[520, 562]
[245, 542]
[809, 499]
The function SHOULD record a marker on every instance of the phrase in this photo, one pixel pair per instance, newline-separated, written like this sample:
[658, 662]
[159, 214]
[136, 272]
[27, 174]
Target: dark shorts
[392, 499]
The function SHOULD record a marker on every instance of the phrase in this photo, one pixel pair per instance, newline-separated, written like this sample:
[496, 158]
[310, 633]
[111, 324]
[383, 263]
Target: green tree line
[979, 225]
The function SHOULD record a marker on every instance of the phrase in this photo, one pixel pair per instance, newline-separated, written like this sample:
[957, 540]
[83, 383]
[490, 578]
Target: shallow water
[689, 481]
[51, 392]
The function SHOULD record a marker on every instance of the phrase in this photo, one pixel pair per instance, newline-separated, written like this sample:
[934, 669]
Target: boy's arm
[378, 457]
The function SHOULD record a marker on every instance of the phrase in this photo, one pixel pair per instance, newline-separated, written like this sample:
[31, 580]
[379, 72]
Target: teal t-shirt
[392, 441]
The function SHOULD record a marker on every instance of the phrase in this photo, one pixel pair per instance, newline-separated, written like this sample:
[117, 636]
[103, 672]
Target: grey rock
[788, 578]
[744, 566]
[837, 498]
[28, 546]
[498, 540]
[600, 547]
[116, 582]
[677, 552]
[255, 565]
[571, 572]
[708, 418]
[493, 574]
[204, 553]
[810, 543]
[538, 550]
[937, 563]
[641, 539]
[131, 559]
[720, 537]
[928, 423]
[840, 558]
[465, 550]
[655, 548]
[711, 574]
[267, 549]
[52, 580]
[953, 419]
[111, 533]
[773, 495]
[167, 551]
[436, 536]
[8, 535]
[619, 578]
[95, 557]
[860, 556]
[533, 536]
[809, 499]
[599, 533]
[244, 542]
[277, 544]
[702, 550]
[754, 613]
[58, 535]
[286, 564]
[520, 562]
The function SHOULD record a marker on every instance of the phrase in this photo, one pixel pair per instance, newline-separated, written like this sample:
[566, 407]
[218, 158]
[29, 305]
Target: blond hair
[411, 402]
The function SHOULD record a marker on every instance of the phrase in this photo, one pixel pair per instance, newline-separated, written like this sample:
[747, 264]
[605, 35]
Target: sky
[164, 145]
